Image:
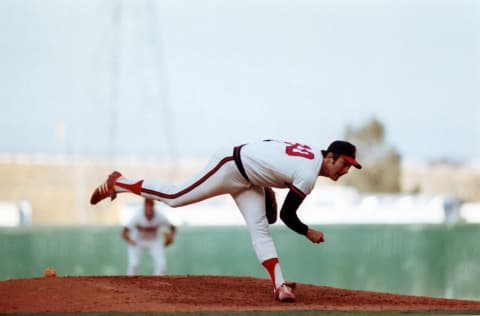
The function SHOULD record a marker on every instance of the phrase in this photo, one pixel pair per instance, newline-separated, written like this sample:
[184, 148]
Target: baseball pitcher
[247, 172]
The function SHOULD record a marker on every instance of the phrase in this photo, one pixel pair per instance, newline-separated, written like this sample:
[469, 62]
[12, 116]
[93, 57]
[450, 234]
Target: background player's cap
[345, 149]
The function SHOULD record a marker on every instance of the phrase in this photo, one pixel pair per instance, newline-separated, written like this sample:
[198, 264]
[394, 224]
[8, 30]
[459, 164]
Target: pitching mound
[197, 293]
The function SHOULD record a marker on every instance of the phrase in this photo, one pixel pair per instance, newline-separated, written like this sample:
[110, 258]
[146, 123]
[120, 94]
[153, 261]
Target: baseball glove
[270, 205]
[168, 239]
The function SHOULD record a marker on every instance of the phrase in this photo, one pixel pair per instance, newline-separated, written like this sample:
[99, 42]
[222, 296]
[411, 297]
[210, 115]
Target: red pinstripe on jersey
[296, 190]
[192, 186]
[147, 229]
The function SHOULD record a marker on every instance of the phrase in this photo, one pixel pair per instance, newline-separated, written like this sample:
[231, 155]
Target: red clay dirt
[196, 293]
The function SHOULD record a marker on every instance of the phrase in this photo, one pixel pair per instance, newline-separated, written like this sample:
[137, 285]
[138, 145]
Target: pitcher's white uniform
[282, 164]
[145, 234]
[244, 173]
[262, 164]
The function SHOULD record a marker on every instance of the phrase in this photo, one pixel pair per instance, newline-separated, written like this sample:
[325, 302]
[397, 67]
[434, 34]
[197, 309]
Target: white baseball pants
[155, 247]
[220, 176]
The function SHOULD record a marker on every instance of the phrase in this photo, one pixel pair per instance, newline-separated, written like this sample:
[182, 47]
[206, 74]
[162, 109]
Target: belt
[238, 161]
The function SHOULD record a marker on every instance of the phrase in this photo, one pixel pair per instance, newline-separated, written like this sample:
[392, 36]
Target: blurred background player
[141, 233]
[244, 172]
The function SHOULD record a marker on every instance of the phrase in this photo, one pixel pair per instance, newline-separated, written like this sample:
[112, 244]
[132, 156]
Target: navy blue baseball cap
[346, 150]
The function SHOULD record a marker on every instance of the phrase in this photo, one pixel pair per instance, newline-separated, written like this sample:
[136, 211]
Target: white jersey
[281, 164]
[143, 229]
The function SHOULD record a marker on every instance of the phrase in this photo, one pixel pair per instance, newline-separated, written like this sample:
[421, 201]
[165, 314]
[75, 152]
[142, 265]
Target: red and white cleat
[106, 189]
[284, 293]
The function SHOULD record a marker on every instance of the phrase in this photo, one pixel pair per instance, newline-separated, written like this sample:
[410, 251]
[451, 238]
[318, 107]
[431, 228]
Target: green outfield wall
[432, 260]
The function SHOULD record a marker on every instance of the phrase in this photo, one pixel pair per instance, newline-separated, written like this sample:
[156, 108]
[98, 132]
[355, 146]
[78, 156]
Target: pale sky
[195, 75]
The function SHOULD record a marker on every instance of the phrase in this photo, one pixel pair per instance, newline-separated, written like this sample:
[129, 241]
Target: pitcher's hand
[315, 236]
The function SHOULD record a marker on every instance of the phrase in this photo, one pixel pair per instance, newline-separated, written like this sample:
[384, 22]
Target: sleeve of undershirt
[288, 213]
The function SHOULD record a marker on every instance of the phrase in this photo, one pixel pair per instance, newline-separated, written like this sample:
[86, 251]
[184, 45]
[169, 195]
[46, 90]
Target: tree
[381, 172]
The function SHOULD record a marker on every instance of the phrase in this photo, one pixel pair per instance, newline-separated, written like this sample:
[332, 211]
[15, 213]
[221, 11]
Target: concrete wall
[59, 189]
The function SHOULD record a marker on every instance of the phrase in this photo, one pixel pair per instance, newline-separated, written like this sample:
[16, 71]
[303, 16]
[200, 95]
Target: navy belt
[238, 161]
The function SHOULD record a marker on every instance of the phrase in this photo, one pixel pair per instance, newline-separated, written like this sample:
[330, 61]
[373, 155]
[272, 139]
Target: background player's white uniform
[145, 234]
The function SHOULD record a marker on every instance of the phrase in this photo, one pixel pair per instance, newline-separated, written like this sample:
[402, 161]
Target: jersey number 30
[299, 150]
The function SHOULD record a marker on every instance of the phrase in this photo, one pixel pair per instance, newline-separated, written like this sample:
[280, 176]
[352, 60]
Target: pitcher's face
[337, 168]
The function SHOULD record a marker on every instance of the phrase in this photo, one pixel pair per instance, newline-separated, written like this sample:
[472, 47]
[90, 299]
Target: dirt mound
[197, 293]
